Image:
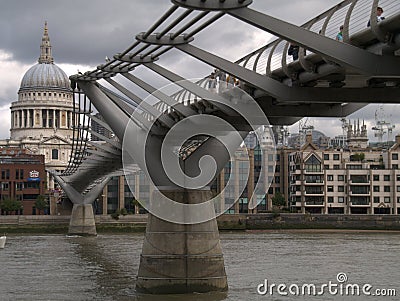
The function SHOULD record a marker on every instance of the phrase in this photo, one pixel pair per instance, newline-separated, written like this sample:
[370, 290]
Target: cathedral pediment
[55, 140]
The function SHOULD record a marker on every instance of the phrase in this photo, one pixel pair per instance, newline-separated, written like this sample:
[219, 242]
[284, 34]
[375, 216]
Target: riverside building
[22, 178]
[357, 180]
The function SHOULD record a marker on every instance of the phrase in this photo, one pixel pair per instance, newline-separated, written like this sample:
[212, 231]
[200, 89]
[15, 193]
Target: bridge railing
[353, 14]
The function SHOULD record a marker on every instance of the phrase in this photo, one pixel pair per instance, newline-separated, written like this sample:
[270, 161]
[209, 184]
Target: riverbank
[235, 222]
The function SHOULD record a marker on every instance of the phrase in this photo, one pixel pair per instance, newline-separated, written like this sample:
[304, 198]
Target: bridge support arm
[112, 114]
[82, 217]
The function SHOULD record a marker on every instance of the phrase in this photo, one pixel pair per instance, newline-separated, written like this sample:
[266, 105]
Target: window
[313, 164]
[386, 189]
[336, 157]
[19, 174]
[386, 199]
[341, 199]
[340, 177]
[398, 177]
[330, 199]
[330, 189]
[5, 186]
[340, 188]
[326, 166]
[395, 156]
[395, 166]
[386, 177]
[376, 199]
[398, 199]
[19, 186]
[375, 177]
[326, 156]
[336, 166]
[329, 177]
[398, 188]
[54, 154]
[376, 188]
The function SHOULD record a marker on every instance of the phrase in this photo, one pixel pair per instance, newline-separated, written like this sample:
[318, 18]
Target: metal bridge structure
[328, 78]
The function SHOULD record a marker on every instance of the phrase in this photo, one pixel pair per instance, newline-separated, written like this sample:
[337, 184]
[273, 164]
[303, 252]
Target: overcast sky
[83, 33]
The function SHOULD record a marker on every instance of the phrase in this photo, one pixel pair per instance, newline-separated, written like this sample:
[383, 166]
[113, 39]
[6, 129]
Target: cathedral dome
[45, 76]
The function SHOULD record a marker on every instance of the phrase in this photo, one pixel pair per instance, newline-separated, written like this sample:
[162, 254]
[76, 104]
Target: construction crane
[382, 126]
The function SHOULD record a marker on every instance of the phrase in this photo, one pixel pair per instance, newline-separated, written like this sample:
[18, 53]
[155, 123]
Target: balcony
[359, 193]
[315, 203]
[359, 182]
[312, 193]
[314, 182]
[315, 172]
[359, 203]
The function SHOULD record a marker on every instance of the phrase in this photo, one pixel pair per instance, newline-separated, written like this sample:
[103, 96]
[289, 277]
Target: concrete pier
[179, 259]
[82, 220]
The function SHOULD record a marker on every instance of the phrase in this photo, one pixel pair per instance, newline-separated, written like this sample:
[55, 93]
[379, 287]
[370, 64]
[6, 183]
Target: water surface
[57, 267]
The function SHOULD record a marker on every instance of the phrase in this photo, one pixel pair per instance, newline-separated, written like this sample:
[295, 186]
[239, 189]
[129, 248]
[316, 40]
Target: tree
[278, 200]
[9, 205]
[41, 203]
[357, 157]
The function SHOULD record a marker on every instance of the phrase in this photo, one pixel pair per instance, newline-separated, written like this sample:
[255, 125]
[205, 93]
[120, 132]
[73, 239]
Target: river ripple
[56, 267]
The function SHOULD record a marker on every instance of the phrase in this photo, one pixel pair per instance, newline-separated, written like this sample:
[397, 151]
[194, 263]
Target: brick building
[22, 177]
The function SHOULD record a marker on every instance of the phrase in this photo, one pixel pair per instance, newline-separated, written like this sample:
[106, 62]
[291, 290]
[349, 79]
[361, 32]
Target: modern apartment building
[358, 180]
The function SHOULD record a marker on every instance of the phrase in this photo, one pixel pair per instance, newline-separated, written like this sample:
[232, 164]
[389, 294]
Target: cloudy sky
[83, 33]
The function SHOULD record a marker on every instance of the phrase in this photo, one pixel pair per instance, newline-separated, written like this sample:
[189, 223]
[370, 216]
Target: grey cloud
[84, 32]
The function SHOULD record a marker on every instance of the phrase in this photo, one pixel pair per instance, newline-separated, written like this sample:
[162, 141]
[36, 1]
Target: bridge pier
[178, 258]
[82, 220]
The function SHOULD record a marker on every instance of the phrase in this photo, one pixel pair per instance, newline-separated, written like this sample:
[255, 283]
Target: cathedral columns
[28, 118]
[18, 112]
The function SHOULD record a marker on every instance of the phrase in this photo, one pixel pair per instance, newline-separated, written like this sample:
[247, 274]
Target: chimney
[309, 138]
[398, 139]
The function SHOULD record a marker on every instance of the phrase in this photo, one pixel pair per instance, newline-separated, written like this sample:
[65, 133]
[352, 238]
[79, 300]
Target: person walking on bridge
[339, 36]
[379, 17]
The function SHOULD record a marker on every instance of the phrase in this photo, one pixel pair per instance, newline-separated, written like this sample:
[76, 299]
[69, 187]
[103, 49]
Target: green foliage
[9, 205]
[124, 211]
[278, 200]
[41, 203]
[358, 157]
[116, 214]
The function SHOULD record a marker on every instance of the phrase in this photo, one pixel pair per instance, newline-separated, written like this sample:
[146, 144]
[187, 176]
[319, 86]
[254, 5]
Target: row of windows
[5, 186]
[339, 177]
[335, 157]
[45, 94]
[386, 178]
[341, 199]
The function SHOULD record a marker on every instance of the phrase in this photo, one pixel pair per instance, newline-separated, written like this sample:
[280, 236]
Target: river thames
[58, 267]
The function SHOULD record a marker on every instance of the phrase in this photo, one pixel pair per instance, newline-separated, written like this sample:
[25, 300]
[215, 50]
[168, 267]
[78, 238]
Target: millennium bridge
[183, 137]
